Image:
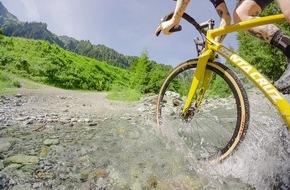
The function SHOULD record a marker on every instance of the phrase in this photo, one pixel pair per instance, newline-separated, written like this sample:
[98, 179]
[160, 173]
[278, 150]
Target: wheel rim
[212, 131]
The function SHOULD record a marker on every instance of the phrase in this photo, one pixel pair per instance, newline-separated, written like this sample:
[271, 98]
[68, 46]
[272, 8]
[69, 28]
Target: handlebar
[202, 28]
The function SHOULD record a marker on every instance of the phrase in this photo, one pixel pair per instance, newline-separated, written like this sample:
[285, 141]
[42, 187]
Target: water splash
[262, 160]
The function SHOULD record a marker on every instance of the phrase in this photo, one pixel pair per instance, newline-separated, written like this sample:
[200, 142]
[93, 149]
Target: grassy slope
[42, 62]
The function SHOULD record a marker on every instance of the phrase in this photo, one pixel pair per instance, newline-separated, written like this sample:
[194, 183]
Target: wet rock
[4, 146]
[4, 182]
[134, 135]
[101, 183]
[12, 167]
[44, 152]
[142, 109]
[18, 95]
[137, 186]
[152, 182]
[49, 142]
[45, 175]
[100, 173]
[24, 118]
[92, 124]
[85, 175]
[29, 168]
[1, 165]
[23, 159]
[121, 131]
[37, 185]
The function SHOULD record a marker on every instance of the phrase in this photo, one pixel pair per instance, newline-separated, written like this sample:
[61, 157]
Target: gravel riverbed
[59, 139]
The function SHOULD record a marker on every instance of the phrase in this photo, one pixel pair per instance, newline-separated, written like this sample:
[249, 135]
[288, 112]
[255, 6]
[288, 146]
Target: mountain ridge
[11, 26]
[5, 15]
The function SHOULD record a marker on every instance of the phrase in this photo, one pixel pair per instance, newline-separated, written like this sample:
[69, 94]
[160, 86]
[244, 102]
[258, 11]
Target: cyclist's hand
[166, 26]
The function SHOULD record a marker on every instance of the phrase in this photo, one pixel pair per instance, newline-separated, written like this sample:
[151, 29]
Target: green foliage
[269, 60]
[46, 61]
[7, 81]
[124, 94]
[219, 88]
[33, 30]
[147, 76]
[43, 62]
[11, 26]
[182, 83]
[99, 52]
[50, 64]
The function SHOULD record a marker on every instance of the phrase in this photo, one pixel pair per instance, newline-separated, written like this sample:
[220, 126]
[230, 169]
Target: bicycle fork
[200, 82]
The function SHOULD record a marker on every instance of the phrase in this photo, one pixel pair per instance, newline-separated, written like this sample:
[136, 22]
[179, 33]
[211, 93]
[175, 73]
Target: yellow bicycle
[206, 100]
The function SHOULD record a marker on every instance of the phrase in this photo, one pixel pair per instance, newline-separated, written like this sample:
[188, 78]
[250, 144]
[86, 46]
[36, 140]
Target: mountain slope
[11, 26]
[99, 52]
[5, 16]
[50, 64]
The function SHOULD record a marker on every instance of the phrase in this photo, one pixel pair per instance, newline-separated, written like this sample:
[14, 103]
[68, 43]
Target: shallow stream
[126, 152]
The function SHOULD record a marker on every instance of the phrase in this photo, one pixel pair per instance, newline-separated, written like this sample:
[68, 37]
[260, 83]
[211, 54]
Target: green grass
[7, 81]
[49, 64]
[124, 94]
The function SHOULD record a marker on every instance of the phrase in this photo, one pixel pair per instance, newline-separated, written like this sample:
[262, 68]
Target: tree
[140, 72]
[147, 76]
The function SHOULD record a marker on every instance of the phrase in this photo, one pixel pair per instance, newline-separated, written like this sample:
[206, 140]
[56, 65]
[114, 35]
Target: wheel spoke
[211, 129]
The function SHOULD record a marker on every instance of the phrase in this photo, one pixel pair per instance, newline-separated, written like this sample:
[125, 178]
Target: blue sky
[125, 25]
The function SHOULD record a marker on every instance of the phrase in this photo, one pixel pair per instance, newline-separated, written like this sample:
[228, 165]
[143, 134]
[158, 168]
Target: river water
[261, 162]
[127, 152]
[151, 159]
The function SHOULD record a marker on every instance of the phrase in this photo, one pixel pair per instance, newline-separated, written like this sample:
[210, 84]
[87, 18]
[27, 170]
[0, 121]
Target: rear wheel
[214, 127]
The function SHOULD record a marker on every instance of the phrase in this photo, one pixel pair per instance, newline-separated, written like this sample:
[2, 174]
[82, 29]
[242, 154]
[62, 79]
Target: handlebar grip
[175, 28]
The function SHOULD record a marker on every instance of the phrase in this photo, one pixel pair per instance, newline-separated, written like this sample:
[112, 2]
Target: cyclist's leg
[285, 7]
[249, 9]
[283, 83]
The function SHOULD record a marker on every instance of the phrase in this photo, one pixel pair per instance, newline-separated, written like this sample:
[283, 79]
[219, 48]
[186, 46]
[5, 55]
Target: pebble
[12, 167]
[4, 146]
[58, 149]
[49, 142]
[1, 165]
[23, 159]
[44, 152]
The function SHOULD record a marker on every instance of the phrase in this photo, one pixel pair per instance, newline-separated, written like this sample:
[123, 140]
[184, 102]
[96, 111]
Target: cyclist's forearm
[224, 14]
[180, 9]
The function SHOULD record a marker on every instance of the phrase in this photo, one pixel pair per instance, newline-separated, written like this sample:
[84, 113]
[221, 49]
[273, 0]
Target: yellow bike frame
[202, 78]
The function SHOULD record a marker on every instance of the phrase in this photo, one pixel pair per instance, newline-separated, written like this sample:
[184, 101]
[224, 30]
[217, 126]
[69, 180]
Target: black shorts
[261, 3]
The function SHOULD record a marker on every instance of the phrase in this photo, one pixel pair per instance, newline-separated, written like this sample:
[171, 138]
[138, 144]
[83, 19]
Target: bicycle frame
[211, 46]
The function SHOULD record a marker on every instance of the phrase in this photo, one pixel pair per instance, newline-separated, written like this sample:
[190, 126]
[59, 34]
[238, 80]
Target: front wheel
[217, 119]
